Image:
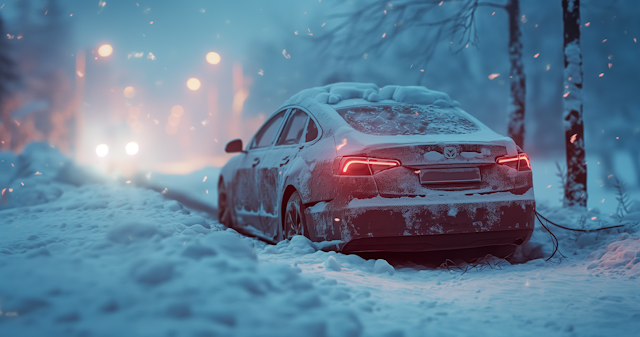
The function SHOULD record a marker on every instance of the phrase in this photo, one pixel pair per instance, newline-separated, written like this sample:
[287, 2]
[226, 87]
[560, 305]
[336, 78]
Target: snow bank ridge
[334, 93]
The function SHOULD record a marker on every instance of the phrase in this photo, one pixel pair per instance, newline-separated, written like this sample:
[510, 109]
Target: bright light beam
[105, 50]
[193, 83]
[213, 57]
[102, 150]
[132, 148]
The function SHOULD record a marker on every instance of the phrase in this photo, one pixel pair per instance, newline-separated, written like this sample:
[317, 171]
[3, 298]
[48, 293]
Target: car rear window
[406, 119]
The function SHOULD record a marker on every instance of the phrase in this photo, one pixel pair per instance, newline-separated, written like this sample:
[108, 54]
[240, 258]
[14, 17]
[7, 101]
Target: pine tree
[575, 189]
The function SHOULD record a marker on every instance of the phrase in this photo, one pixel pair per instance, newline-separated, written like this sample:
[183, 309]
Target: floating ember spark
[205, 179]
[605, 40]
[38, 173]
[261, 72]
[602, 201]
[441, 2]
[549, 186]
[284, 53]
[587, 24]
[536, 55]
[573, 138]
[610, 65]
[594, 217]
[601, 74]
[383, 35]
[151, 56]
[128, 182]
[566, 94]
[344, 142]
[494, 75]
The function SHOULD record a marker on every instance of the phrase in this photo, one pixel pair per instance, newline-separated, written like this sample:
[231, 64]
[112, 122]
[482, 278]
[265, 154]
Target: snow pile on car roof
[337, 92]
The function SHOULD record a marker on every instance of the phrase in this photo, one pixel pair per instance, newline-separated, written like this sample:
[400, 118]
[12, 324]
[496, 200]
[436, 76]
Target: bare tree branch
[356, 32]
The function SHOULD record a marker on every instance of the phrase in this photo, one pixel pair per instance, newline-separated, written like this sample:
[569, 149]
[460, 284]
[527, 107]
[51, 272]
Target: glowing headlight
[132, 148]
[102, 150]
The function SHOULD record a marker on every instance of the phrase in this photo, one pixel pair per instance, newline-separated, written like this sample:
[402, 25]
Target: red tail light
[520, 162]
[358, 166]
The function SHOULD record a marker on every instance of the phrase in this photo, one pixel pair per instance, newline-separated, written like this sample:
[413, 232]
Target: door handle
[256, 161]
[284, 161]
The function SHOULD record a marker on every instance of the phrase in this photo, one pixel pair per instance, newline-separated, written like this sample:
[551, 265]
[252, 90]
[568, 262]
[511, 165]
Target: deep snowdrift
[86, 255]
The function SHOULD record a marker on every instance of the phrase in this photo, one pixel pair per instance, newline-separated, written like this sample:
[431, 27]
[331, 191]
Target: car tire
[294, 222]
[224, 207]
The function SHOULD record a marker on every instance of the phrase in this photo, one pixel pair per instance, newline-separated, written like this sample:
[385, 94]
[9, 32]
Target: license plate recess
[450, 175]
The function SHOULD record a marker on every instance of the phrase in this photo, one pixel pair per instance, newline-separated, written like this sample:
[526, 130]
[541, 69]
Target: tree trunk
[516, 104]
[575, 189]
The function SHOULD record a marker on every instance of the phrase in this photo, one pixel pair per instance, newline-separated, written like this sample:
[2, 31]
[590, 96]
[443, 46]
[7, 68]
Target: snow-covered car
[379, 169]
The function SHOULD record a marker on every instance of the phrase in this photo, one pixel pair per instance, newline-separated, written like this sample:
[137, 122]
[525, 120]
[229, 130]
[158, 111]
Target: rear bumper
[441, 222]
[422, 243]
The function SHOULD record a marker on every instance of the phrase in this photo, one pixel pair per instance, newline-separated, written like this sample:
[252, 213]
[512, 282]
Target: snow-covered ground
[87, 255]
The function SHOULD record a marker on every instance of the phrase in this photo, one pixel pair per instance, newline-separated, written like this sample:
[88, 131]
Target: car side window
[292, 131]
[312, 131]
[267, 133]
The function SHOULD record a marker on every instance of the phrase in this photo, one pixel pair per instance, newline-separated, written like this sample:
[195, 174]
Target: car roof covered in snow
[342, 94]
[325, 100]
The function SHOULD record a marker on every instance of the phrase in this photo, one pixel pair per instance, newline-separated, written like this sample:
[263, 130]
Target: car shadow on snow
[444, 258]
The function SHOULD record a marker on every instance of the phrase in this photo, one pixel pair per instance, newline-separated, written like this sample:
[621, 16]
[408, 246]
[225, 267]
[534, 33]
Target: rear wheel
[294, 223]
[224, 206]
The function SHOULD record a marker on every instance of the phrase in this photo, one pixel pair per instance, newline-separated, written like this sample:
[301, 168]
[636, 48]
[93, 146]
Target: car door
[273, 168]
[246, 201]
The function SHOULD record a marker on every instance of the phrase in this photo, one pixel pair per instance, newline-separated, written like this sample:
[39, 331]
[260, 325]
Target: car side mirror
[234, 146]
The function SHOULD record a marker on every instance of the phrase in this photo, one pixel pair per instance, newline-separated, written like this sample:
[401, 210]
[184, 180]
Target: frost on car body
[380, 169]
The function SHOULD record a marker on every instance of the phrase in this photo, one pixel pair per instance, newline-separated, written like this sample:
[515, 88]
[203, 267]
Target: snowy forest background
[91, 249]
[270, 51]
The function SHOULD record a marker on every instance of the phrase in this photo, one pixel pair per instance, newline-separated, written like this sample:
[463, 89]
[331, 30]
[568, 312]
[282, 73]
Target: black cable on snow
[575, 229]
[554, 239]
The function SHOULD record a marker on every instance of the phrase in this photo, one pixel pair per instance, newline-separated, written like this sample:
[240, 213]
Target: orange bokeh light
[213, 57]
[171, 129]
[105, 50]
[177, 110]
[193, 83]
[129, 92]
[173, 120]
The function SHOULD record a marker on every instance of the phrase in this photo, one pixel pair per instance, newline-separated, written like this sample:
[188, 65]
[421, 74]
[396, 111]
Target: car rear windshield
[405, 119]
